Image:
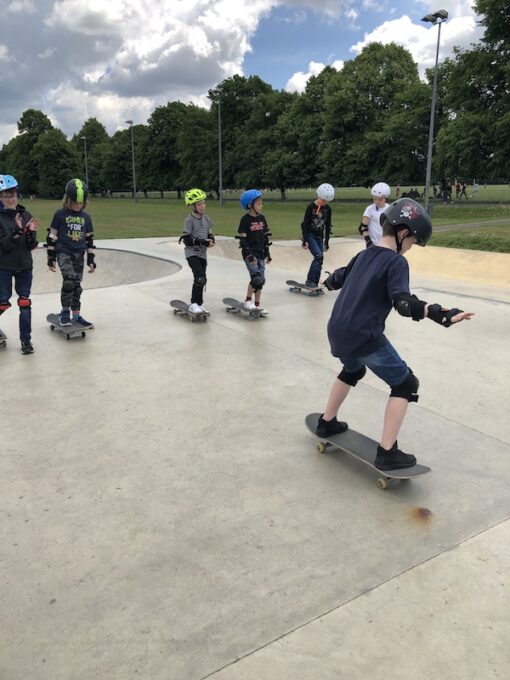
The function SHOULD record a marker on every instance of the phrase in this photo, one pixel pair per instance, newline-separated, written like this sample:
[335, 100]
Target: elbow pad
[409, 305]
[363, 228]
[90, 241]
[50, 240]
[188, 239]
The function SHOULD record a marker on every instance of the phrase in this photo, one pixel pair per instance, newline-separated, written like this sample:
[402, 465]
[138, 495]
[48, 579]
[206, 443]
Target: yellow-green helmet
[194, 196]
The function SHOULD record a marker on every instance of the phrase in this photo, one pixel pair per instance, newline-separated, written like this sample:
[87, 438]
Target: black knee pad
[4, 306]
[257, 282]
[24, 302]
[68, 285]
[200, 281]
[319, 259]
[351, 378]
[407, 389]
[78, 290]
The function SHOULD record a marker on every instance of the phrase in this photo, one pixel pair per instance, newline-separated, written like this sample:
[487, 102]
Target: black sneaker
[26, 347]
[82, 322]
[325, 428]
[393, 459]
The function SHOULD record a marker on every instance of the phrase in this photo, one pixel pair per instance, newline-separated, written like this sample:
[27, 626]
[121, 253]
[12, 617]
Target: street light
[130, 123]
[86, 164]
[220, 160]
[433, 18]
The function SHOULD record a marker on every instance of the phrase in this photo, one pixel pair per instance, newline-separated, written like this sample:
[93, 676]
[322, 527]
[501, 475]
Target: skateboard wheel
[68, 337]
[382, 483]
[175, 311]
[321, 447]
[83, 334]
[52, 328]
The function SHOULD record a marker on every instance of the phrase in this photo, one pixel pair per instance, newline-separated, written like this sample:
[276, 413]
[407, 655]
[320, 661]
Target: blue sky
[115, 61]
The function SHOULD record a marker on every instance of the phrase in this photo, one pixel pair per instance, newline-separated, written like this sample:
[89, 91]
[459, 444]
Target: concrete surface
[165, 515]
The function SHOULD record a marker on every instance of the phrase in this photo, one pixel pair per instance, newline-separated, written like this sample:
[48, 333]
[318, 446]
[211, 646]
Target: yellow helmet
[194, 196]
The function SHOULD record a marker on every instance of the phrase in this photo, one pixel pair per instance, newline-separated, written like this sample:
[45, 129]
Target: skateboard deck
[3, 339]
[236, 307]
[296, 287]
[182, 309]
[72, 331]
[364, 449]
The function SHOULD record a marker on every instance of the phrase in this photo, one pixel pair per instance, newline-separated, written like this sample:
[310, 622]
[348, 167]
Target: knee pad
[200, 281]
[4, 306]
[68, 285]
[257, 282]
[319, 259]
[351, 378]
[407, 389]
[24, 302]
[78, 290]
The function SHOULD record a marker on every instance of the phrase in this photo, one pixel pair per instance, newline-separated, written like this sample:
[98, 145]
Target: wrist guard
[409, 305]
[91, 260]
[442, 316]
[368, 241]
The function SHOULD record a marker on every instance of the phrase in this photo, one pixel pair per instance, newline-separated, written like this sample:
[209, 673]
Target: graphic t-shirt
[255, 229]
[72, 229]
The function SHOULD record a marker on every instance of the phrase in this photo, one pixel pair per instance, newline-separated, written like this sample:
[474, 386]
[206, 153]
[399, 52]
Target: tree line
[364, 123]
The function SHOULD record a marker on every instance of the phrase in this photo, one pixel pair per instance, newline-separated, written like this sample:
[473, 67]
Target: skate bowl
[114, 268]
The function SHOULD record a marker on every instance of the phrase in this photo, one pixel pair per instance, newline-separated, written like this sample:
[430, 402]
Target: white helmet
[380, 189]
[326, 192]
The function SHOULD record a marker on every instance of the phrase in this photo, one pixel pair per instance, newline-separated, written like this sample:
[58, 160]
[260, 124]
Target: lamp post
[130, 123]
[220, 159]
[434, 18]
[86, 163]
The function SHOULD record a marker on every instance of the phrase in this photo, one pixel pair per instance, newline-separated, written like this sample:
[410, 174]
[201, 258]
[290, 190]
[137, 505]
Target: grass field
[122, 218]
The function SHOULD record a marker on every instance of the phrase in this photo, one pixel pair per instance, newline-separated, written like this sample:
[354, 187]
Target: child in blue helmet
[375, 281]
[253, 234]
[70, 235]
[17, 240]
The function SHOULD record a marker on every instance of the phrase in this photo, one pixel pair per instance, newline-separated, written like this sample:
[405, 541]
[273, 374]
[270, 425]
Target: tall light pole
[220, 159]
[130, 123]
[434, 18]
[86, 163]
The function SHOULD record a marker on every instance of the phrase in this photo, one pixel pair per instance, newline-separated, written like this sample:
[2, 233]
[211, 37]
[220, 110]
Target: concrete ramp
[114, 268]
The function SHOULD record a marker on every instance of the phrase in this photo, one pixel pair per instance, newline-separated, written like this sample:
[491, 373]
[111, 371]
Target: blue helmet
[248, 197]
[7, 182]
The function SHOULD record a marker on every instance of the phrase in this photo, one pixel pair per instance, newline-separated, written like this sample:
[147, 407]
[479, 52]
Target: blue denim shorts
[258, 267]
[385, 362]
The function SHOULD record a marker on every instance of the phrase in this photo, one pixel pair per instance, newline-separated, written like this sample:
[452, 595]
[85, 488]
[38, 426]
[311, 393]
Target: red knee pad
[24, 302]
[4, 306]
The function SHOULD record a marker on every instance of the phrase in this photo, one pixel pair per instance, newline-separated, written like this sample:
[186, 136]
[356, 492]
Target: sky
[116, 60]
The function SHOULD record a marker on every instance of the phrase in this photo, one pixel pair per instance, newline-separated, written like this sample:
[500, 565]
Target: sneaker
[311, 284]
[262, 311]
[81, 321]
[65, 318]
[250, 305]
[204, 310]
[26, 347]
[325, 428]
[194, 308]
[393, 459]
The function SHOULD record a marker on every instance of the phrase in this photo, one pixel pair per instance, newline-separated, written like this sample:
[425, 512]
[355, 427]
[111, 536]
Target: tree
[162, 168]
[57, 161]
[97, 140]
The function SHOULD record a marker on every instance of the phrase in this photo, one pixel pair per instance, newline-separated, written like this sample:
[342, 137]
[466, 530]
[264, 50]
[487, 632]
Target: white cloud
[421, 39]
[297, 83]
[20, 7]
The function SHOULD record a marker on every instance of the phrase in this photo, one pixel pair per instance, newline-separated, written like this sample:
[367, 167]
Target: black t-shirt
[255, 229]
[316, 220]
[370, 283]
[72, 229]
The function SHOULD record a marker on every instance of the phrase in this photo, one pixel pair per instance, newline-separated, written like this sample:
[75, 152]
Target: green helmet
[77, 191]
[194, 196]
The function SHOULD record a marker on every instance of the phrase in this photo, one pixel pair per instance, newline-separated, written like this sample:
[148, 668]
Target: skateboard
[236, 307]
[296, 287]
[69, 331]
[364, 449]
[3, 339]
[182, 308]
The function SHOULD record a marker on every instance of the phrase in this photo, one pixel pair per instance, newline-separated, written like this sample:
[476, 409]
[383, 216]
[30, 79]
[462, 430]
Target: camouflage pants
[71, 267]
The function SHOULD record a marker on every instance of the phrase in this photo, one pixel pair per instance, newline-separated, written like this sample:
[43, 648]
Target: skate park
[166, 514]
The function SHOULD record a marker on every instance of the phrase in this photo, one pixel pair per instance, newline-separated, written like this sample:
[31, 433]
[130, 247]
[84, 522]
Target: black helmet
[77, 191]
[405, 212]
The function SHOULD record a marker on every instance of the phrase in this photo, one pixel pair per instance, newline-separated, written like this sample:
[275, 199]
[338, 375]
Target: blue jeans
[22, 285]
[385, 362]
[258, 267]
[316, 248]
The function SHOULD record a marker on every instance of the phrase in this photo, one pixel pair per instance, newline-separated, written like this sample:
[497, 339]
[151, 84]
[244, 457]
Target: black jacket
[15, 253]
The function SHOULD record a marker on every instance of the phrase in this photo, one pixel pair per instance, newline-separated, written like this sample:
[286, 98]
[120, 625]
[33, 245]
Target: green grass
[122, 218]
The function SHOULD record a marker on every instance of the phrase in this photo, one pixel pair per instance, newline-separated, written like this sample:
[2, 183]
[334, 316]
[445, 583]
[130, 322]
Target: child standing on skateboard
[253, 234]
[316, 229]
[70, 235]
[370, 225]
[17, 240]
[197, 238]
[373, 282]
